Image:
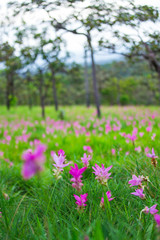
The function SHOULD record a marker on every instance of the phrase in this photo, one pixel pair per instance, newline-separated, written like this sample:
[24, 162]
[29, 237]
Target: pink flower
[127, 153]
[135, 181]
[141, 134]
[139, 193]
[138, 149]
[113, 151]
[108, 128]
[76, 173]
[59, 164]
[152, 210]
[0, 214]
[88, 149]
[61, 152]
[1, 154]
[146, 149]
[132, 137]
[86, 159]
[35, 143]
[149, 129]
[153, 136]
[152, 155]
[108, 193]
[81, 200]
[157, 219]
[34, 161]
[101, 173]
[59, 161]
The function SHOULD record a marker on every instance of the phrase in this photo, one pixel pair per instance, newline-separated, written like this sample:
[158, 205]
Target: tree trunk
[118, 92]
[42, 97]
[8, 92]
[159, 83]
[29, 94]
[86, 78]
[12, 85]
[54, 90]
[96, 93]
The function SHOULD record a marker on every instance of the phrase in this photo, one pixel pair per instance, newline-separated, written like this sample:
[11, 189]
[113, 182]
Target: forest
[121, 82]
[34, 57]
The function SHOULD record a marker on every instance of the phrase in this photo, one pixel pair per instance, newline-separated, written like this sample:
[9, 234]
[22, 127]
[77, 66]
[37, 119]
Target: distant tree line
[34, 68]
[122, 83]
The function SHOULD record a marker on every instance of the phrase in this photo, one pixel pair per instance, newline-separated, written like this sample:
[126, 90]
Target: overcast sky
[75, 43]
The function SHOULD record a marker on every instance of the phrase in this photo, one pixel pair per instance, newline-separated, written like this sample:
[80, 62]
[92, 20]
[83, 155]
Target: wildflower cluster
[60, 163]
[102, 173]
[77, 175]
[33, 161]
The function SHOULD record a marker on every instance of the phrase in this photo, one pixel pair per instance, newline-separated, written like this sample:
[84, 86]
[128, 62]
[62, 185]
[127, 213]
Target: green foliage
[13, 100]
[43, 208]
[124, 100]
[116, 81]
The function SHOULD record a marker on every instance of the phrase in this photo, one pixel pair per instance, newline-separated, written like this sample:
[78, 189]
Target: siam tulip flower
[141, 134]
[61, 152]
[123, 134]
[132, 137]
[127, 140]
[88, 149]
[35, 143]
[101, 173]
[149, 129]
[157, 219]
[127, 153]
[86, 159]
[33, 161]
[135, 131]
[153, 157]
[80, 201]
[77, 175]
[8, 139]
[88, 134]
[0, 214]
[146, 149]
[153, 136]
[108, 193]
[139, 193]
[135, 181]
[59, 163]
[138, 149]
[107, 128]
[153, 116]
[11, 164]
[113, 151]
[152, 210]
[1, 154]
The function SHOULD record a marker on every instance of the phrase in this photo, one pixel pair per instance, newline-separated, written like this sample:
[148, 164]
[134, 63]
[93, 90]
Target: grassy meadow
[44, 207]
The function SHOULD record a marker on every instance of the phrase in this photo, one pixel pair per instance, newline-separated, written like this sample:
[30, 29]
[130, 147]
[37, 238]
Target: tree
[140, 42]
[12, 64]
[86, 77]
[50, 50]
[83, 22]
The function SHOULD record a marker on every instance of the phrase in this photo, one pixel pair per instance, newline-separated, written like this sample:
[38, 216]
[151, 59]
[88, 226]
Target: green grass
[44, 208]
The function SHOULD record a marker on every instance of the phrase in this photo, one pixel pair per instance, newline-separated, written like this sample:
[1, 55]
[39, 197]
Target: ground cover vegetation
[80, 177]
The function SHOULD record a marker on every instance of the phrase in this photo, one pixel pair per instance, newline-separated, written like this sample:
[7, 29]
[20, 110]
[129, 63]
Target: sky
[75, 43]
